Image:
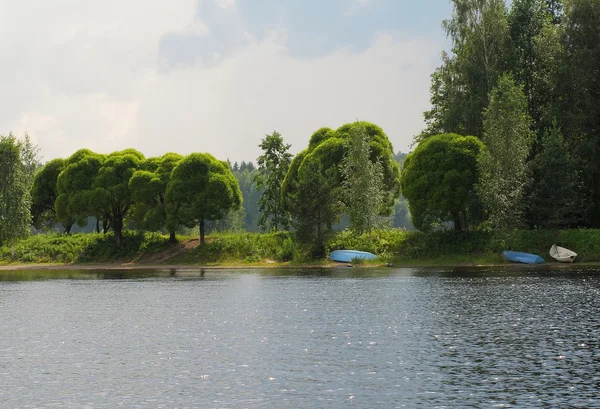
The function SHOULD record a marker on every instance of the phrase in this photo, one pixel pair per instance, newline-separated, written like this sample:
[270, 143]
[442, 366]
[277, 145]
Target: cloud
[94, 76]
[356, 6]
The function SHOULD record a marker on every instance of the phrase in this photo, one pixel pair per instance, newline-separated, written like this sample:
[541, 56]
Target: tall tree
[314, 205]
[362, 185]
[527, 19]
[201, 188]
[579, 91]
[18, 161]
[554, 196]
[439, 178]
[503, 166]
[273, 165]
[480, 53]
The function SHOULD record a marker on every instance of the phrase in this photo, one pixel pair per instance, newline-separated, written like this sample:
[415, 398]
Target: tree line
[512, 138]
[351, 170]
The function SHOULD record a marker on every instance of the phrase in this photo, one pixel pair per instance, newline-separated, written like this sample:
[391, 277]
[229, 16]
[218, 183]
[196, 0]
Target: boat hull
[520, 257]
[346, 256]
[562, 254]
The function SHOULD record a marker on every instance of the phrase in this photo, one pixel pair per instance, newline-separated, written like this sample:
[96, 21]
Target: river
[272, 338]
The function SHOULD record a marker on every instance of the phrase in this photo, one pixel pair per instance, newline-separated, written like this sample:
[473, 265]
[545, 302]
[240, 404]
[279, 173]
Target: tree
[250, 198]
[17, 159]
[362, 185]
[554, 190]
[329, 148]
[579, 91]
[480, 53]
[503, 166]
[439, 178]
[201, 188]
[148, 189]
[110, 194]
[73, 186]
[44, 193]
[273, 165]
[527, 19]
[315, 206]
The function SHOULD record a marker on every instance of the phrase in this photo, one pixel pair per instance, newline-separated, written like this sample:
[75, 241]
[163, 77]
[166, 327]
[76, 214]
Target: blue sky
[314, 27]
[214, 75]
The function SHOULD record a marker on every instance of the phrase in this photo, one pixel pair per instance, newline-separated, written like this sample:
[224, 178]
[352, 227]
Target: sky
[213, 76]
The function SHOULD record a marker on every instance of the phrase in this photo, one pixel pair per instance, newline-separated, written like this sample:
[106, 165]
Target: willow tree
[44, 193]
[148, 187]
[201, 188]
[439, 178]
[329, 147]
[110, 194]
[73, 185]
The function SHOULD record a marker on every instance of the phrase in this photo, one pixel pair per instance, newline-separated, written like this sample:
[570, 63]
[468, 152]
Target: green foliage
[201, 188]
[148, 190]
[503, 166]
[250, 198]
[44, 194]
[273, 165]
[74, 185]
[579, 92]
[18, 162]
[110, 195]
[82, 248]
[362, 184]
[315, 205]
[242, 248]
[329, 147]
[554, 189]
[438, 180]
[480, 53]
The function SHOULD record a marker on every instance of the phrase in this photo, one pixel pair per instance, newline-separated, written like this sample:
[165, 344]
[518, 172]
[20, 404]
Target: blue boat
[346, 256]
[520, 257]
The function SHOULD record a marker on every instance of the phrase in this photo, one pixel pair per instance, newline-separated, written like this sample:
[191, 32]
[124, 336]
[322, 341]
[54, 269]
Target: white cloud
[90, 79]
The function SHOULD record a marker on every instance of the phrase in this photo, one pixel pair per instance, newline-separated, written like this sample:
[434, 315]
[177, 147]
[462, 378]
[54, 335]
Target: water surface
[336, 338]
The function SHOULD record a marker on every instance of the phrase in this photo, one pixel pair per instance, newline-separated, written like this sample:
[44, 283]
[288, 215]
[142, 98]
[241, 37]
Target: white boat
[562, 254]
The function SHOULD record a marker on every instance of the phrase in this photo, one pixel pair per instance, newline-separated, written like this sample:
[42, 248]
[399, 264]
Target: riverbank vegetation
[509, 159]
[393, 246]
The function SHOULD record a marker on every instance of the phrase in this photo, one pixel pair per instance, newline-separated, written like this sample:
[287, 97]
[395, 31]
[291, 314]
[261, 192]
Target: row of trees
[525, 82]
[156, 193]
[351, 170]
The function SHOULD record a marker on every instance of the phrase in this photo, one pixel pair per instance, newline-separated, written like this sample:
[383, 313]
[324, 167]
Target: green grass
[394, 246]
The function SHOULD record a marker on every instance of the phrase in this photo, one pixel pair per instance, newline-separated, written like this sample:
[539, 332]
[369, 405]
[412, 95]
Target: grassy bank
[392, 246]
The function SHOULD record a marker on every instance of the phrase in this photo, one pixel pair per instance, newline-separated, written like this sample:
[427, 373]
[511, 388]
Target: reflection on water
[347, 337]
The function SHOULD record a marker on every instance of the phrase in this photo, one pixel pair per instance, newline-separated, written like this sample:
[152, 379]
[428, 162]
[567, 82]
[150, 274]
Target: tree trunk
[202, 231]
[97, 225]
[67, 228]
[117, 227]
[12, 248]
[456, 221]
[105, 226]
[172, 238]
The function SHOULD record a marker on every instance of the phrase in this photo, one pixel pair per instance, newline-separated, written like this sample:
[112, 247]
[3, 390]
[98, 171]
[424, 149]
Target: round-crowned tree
[439, 178]
[201, 188]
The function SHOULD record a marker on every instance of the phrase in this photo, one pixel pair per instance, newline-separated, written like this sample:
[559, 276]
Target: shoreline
[330, 265]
